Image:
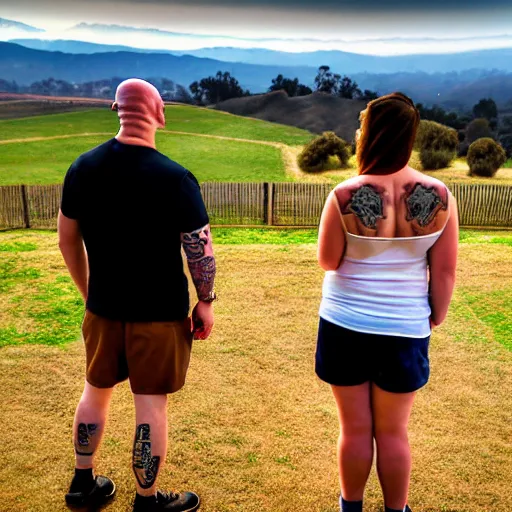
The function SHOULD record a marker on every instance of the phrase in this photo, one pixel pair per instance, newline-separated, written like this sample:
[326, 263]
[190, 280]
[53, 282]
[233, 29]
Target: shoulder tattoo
[423, 203]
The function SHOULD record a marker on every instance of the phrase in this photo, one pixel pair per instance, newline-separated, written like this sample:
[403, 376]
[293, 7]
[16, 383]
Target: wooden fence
[242, 204]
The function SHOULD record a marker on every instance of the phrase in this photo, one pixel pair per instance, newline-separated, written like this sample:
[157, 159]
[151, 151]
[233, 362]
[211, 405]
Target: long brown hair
[388, 130]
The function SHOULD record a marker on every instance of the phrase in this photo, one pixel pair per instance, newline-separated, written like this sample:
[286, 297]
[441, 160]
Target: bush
[316, 154]
[485, 157]
[433, 159]
[437, 144]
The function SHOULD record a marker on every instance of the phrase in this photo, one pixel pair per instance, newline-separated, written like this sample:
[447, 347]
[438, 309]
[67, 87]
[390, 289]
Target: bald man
[126, 213]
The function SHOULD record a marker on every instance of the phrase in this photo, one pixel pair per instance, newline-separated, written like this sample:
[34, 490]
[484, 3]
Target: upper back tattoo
[367, 205]
[423, 203]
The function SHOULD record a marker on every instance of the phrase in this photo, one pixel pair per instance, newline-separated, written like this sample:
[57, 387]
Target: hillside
[215, 146]
[316, 113]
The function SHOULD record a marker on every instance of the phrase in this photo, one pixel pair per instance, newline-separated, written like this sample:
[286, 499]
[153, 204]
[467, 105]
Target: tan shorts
[153, 355]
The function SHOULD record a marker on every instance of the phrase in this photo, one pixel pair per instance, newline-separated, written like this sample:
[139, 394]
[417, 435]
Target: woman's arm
[442, 259]
[331, 237]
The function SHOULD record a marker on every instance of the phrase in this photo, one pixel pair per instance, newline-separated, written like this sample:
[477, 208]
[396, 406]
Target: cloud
[339, 5]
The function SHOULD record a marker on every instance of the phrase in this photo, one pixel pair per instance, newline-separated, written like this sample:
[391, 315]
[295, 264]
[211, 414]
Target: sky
[290, 25]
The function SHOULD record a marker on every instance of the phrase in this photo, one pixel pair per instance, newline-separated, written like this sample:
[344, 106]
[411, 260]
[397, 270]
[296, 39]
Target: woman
[388, 241]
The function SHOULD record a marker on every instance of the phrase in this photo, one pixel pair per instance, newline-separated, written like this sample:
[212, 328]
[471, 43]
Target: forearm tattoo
[85, 442]
[423, 203]
[201, 262]
[145, 466]
[367, 205]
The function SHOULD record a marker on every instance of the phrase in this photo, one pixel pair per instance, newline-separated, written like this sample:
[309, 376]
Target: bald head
[139, 102]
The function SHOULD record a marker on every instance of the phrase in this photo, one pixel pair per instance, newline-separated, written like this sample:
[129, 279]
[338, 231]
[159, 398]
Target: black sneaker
[407, 509]
[182, 502]
[103, 490]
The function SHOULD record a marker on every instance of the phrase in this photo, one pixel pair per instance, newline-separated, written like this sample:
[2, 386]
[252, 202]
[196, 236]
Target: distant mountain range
[454, 90]
[10, 24]
[26, 66]
[340, 62]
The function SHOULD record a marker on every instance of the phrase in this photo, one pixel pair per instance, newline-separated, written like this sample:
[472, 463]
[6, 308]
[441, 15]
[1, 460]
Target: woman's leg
[391, 412]
[355, 444]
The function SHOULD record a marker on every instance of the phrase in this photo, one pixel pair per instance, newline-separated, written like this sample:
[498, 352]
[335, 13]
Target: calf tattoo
[84, 441]
[145, 466]
[423, 203]
[367, 205]
[201, 262]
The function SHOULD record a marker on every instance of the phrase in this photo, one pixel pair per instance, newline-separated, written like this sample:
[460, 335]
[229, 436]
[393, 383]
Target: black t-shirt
[132, 203]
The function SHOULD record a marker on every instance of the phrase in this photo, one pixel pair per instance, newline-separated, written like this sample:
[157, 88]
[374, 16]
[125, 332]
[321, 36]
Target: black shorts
[348, 358]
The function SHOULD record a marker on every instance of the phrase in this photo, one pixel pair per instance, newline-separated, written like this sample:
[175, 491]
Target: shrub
[478, 129]
[485, 157]
[437, 144]
[315, 155]
[433, 159]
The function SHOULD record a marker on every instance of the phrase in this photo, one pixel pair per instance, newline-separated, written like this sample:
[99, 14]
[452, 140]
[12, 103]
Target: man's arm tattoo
[367, 205]
[201, 262]
[423, 203]
[85, 442]
[145, 466]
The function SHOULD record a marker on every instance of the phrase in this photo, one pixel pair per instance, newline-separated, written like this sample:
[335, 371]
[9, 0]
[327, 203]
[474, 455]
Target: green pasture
[179, 118]
[46, 162]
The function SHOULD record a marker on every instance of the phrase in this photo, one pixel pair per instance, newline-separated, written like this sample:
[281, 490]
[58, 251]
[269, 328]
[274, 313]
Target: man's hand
[202, 320]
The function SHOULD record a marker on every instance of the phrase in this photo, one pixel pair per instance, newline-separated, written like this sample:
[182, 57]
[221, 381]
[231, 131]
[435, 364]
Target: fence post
[270, 204]
[24, 199]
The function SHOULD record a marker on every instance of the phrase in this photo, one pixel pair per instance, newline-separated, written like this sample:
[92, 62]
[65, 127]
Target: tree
[7, 86]
[478, 129]
[215, 89]
[368, 95]
[325, 81]
[292, 87]
[346, 88]
[182, 95]
[486, 108]
[303, 90]
[439, 115]
[505, 134]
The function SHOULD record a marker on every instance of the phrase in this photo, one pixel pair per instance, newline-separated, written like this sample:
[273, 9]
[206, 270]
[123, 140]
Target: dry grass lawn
[254, 429]
[456, 173]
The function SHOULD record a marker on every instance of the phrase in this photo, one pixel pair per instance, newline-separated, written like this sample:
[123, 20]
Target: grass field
[179, 118]
[40, 163]
[254, 430]
[210, 159]
[456, 173]
[205, 151]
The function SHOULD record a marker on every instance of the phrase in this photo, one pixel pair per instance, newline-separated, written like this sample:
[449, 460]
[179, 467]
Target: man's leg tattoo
[85, 442]
[145, 466]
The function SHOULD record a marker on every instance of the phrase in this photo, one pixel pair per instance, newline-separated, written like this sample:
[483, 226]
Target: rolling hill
[317, 113]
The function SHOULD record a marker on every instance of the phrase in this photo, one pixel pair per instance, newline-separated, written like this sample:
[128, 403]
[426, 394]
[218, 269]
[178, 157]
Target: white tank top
[381, 286]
